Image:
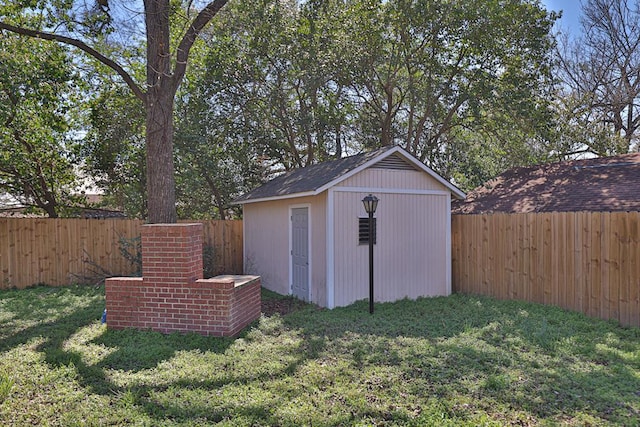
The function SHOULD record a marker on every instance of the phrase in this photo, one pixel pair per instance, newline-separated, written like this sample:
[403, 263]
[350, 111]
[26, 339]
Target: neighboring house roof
[18, 212]
[313, 180]
[10, 208]
[100, 213]
[598, 184]
[81, 212]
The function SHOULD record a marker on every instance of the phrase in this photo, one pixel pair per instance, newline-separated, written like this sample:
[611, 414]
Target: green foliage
[138, 42]
[275, 85]
[459, 360]
[37, 166]
[306, 82]
[436, 70]
[274, 73]
[114, 148]
[577, 130]
[598, 89]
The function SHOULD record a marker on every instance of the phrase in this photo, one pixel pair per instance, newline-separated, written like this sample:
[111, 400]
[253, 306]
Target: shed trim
[244, 245]
[392, 191]
[330, 238]
[274, 198]
[448, 273]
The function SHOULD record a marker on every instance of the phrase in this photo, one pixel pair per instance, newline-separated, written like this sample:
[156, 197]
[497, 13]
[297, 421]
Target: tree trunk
[50, 208]
[162, 84]
[216, 193]
[161, 193]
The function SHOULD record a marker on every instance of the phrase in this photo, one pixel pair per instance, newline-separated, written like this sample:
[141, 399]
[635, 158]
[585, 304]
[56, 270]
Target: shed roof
[598, 184]
[314, 179]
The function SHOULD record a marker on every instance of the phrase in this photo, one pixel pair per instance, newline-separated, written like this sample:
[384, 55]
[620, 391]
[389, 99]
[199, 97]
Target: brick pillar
[172, 296]
[171, 253]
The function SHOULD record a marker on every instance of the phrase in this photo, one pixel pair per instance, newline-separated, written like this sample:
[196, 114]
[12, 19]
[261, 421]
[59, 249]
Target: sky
[570, 13]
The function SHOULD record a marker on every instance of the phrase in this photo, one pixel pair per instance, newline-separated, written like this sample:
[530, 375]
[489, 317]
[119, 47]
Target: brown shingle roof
[599, 184]
[309, 178]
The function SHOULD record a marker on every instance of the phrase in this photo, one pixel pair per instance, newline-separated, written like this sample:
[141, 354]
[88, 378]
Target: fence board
[582, 261]
[634, 269]
[624, 257]
[63, 251]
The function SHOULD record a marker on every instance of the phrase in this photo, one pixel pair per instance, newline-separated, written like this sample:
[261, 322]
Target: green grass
[452, 361]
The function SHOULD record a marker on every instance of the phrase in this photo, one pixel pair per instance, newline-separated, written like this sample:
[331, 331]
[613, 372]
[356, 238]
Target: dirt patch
[281, 306]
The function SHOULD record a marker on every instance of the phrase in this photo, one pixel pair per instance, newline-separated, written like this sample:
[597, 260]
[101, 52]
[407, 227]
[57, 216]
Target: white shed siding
[411, 254]
[390, 178]
[266, 242]
[351, 268]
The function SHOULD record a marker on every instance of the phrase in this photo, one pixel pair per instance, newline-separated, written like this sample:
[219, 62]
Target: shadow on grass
[471, 354]
[47, 313]
[541, 359]
[55, 316]
[77, 308]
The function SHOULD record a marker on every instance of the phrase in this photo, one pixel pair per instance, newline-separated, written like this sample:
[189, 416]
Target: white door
[300, 253]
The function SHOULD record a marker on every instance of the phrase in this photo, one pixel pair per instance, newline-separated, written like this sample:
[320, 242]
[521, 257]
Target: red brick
[173, 296]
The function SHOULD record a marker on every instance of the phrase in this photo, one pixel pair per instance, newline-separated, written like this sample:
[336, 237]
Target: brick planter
[172, 296]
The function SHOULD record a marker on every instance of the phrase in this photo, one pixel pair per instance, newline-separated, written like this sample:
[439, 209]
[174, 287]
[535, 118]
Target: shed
[600, 184]
[305, 231]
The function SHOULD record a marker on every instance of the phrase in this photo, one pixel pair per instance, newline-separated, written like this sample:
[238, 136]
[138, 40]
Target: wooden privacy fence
[583, 261]
[64, 251]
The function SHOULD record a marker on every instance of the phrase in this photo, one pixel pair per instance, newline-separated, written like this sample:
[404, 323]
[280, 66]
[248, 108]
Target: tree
[317, 79]
[36, 164]
[284, 79]
[432, 68]
[600, 74]
[113, 150]
[88, 29]
[216, 153]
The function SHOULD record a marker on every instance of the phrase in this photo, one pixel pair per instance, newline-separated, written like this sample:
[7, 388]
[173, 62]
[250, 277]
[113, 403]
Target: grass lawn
[458, 360]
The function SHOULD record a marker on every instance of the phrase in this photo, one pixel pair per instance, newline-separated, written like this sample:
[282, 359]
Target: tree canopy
[467, 86]
[306, 82]
[109, 32]
[36, 114]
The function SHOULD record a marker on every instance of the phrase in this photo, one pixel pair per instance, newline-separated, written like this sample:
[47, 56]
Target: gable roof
[599, 184]
[313, 180]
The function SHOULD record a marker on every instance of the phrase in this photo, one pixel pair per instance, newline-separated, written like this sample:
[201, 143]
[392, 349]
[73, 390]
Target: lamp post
[370, 204]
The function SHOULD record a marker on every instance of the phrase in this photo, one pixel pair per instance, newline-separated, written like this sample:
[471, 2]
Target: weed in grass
[6, 384]
[127, 399]
[497, 383]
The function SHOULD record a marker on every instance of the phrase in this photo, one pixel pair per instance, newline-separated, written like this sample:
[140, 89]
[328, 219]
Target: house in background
[303, 231]
[11, 208]
[603, 184]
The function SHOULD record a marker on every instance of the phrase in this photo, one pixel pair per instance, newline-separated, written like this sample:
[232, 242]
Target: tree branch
[198, 24]
[83, 47]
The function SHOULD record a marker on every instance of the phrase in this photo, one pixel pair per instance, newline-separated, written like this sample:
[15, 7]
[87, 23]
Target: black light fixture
[370, 205]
